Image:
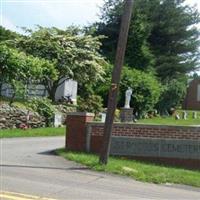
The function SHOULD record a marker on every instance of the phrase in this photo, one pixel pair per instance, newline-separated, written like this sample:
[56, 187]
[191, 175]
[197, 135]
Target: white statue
[128, 97]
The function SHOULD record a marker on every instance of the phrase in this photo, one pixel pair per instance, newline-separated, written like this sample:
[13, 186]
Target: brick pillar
[76, 130]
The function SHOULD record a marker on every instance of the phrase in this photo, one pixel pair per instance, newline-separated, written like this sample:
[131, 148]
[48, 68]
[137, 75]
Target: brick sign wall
[169, 144]
[179, 145]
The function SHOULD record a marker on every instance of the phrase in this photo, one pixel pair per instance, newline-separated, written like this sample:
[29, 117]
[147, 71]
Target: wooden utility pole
[119, 60]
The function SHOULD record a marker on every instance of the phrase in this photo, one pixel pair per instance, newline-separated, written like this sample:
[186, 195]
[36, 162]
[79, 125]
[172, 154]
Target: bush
[44, 107]
[92, 104]
[172, 96]
[146, 90]
[101, 88]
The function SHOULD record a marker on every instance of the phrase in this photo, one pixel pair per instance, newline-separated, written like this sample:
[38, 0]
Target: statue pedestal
[126, 114]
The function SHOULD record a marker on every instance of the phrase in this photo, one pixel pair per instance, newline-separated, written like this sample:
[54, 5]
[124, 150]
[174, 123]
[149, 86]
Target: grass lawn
[141, 171]
[172, 121]
[8, 133]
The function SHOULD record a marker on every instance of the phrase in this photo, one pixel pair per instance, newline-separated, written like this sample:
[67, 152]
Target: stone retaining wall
[13, 117]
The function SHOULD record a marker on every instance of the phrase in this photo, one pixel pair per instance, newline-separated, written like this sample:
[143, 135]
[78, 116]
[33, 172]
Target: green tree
[174, 38]
[6, 34]
[162, 35]
[74, 55]
[172, 95]
[93, 104]
[138, 53]
[16, 69]
[102, 87]
[146, 90]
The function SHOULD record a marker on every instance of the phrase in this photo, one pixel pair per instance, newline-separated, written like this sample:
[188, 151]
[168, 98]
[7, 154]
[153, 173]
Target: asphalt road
[29, 167]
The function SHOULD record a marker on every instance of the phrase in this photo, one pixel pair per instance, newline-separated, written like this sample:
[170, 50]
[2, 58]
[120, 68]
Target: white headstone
[103, 117]
[177, 116]
[57, 119]
[68, 88]
[184, 115]
[194, 115]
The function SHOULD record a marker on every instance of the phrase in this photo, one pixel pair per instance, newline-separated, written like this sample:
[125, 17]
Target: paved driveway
[29, 167]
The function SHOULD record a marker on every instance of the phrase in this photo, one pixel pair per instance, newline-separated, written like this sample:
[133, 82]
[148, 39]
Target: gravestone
[177, 116]
[184, 115]
[103, 117]
[194, 115]
[57, 119]
[68, 88]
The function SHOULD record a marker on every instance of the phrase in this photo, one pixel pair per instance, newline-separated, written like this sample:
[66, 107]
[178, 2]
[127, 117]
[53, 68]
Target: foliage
[74, 55]
[17, 69]
[162, 36]
[195, 75]
[44, 107]
[146, 90]
[7, 34]
[138, 53]
[102, 87]
[92, 104]
[178, 36]
[163, 40]
[141, 171]
[172, 95]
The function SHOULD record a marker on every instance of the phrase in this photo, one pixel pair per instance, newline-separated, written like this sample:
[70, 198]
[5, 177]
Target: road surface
[29, 167]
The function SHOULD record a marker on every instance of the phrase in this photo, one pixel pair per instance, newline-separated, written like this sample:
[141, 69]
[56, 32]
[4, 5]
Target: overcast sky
[59, 13]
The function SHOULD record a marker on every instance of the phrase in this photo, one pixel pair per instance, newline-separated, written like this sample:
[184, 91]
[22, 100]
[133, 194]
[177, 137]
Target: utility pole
[119, 60]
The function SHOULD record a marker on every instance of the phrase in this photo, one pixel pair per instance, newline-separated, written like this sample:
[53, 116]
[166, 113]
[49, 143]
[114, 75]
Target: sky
[60, 13]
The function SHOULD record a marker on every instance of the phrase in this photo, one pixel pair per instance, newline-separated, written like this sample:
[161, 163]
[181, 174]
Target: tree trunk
[12, 98]
[52, 91]
[51, 87]
[1, 84]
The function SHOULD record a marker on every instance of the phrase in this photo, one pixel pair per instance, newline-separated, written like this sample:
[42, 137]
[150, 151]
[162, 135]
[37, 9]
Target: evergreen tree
[138, 54]
[174, 39]
[162, 34]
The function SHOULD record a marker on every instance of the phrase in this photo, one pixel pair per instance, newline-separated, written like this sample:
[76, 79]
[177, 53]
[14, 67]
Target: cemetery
[135, 103]
[169, 144]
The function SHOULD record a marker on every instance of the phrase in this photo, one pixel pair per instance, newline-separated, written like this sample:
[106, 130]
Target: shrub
[172, 96]
[146, 90]
[44, 107]
[101, 88]
[92, 104]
